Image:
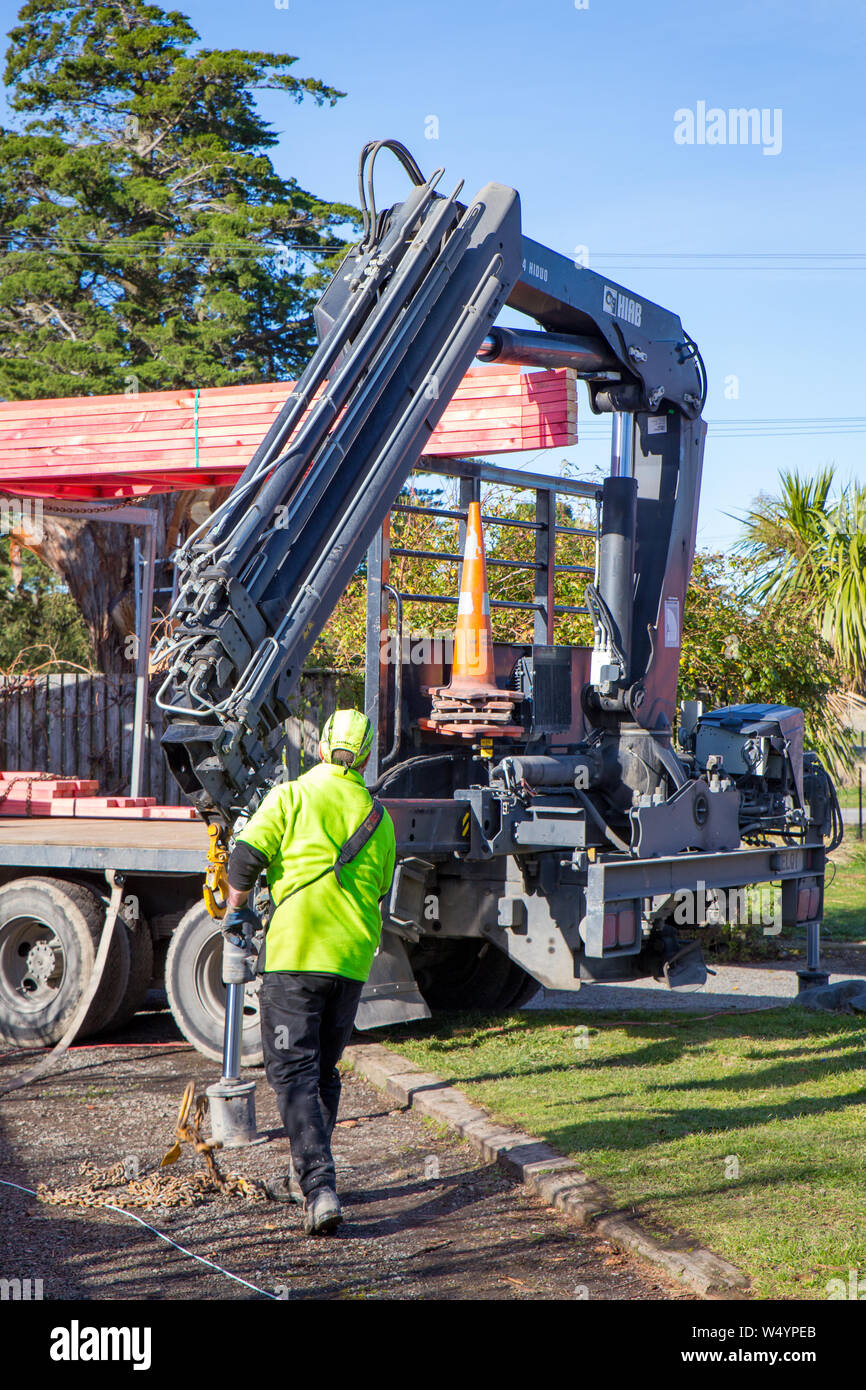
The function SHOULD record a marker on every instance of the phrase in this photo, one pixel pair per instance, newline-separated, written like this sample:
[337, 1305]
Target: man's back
[300, 828]
[320, 942]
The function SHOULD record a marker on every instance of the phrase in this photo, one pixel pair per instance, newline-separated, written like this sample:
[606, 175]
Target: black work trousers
[306, 1022]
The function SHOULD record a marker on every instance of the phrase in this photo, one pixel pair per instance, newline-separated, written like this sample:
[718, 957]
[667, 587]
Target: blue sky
[575, 108]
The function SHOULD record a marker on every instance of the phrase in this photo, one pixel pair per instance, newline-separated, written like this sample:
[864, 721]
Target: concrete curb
[556, 1180]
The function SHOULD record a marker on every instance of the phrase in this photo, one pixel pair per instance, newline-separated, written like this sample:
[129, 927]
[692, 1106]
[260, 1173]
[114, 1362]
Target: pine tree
[146, 240]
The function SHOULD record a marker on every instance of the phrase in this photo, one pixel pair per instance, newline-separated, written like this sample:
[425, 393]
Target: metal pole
[137, 578]
[622, 445]
[813, 945]
[376, 679]
[232, 1035]
[586, 356]
[145, 615]
[615, 551]
[545, 556]
[627, 462]
[232, 1101]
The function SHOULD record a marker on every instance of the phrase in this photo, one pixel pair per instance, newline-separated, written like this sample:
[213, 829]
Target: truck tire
[462, 974]
[525, 989]
[139, 946]
[196, 993]
[49, 933]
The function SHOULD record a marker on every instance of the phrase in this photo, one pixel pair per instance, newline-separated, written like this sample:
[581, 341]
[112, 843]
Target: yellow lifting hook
[216, 883]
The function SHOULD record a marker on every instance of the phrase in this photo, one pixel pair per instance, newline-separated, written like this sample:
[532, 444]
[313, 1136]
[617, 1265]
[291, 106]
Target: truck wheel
[467, 974]
[196, 993]
[526, 989]
[139, 946]
[49, 933]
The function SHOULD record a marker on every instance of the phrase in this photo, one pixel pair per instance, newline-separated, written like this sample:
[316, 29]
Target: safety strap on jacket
[349, 851]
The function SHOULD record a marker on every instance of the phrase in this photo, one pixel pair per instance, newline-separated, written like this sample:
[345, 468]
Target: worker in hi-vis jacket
[327, 849]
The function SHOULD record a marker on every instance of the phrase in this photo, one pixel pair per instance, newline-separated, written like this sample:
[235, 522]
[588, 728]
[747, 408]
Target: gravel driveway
[762, 985]
[468, 1233]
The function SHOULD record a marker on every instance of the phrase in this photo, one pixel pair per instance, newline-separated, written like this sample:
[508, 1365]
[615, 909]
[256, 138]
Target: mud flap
[687, 970]
[390, 994]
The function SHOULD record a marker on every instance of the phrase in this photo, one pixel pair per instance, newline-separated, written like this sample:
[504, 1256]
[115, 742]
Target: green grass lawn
[845, 893]
[747, 1132]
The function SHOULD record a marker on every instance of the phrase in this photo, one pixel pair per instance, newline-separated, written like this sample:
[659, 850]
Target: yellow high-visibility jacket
[301, 827]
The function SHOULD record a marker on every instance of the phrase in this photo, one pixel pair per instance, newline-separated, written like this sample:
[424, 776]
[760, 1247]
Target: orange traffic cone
[473, 671]
[472, 704]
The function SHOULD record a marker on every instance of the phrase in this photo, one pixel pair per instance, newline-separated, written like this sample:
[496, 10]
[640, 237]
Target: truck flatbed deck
[127, 844]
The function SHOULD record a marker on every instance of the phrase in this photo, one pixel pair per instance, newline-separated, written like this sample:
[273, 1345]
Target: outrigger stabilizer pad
[233, 1101]
[233, 1113]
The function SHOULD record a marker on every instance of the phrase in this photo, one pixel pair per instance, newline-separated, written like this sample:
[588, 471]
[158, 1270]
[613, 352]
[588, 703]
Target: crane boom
[400, 323]
[566, 838]
[405, 315]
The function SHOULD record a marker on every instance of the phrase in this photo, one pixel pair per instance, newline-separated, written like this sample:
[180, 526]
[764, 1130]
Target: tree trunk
[94, 559]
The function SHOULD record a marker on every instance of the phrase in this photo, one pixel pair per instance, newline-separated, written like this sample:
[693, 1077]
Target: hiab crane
[543, 808]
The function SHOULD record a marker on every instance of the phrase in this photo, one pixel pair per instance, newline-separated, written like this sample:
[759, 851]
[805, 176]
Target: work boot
[286, 1189]
[322, 1213]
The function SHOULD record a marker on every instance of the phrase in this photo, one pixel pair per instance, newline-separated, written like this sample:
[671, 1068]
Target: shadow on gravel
[456, 1193]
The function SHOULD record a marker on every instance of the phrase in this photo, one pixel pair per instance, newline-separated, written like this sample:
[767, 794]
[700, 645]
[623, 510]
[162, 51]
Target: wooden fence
[81, 725]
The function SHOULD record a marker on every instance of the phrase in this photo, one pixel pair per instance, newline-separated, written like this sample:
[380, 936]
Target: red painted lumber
[126, 446]
[84, 810]
[107, 803]
[47, 786]
[37, 806]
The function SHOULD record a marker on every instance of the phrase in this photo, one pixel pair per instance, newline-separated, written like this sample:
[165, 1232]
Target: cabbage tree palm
[810, 547]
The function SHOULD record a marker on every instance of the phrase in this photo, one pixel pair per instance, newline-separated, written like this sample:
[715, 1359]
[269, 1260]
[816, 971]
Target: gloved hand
[240, 921]
[238, 962]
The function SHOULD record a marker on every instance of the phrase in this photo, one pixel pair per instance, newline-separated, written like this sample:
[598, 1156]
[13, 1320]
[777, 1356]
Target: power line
[610, 267]
[83, 246]
[621, 260]
[730, 255]
[778, 428]
[731, 260]
[715, 436]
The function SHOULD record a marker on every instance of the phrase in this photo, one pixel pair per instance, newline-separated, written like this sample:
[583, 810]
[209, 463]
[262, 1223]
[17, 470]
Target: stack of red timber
[43, 794]
[162, 441]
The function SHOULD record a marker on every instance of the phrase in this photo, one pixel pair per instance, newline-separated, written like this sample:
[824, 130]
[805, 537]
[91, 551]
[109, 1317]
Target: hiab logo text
[621, 306]
[77, 1343]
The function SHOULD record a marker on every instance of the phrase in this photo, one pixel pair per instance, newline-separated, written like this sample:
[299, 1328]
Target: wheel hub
[42, 966]
[32, 963]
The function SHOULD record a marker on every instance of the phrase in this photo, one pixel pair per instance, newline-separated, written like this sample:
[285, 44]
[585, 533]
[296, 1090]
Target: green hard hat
[350, 731]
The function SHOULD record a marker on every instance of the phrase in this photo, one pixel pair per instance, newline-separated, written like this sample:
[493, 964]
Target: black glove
[240, 921]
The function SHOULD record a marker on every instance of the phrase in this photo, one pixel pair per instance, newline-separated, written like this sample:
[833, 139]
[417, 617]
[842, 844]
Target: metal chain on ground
[114, 1186]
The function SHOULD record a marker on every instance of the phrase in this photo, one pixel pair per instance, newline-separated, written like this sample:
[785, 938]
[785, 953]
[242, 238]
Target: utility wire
[784, 427]
[622, 260]
[122, 1211]
[734, 255]
[731, 260]
[83, 246]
